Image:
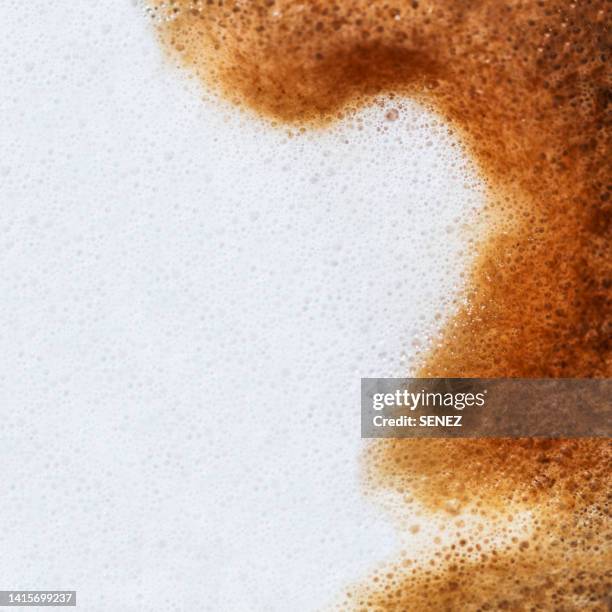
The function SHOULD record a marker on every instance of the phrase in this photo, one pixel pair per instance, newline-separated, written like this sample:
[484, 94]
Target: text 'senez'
[485, 408]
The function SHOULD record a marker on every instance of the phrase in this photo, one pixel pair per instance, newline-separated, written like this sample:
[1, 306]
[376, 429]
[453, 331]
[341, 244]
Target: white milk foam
[189, 299]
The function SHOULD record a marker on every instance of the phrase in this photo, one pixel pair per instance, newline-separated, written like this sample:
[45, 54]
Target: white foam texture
[189, 299]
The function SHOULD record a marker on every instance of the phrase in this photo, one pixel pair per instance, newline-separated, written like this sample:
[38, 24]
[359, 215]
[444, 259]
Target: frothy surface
[173, 278]
[527, 87]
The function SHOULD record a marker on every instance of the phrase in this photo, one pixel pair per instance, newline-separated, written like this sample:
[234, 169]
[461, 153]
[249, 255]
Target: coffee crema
[526, 86]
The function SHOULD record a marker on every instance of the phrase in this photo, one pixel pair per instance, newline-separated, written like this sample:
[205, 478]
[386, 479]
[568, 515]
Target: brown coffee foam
[526, 86]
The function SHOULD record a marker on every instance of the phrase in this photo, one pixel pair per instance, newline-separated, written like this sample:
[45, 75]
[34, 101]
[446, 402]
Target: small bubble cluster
[527, 87]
